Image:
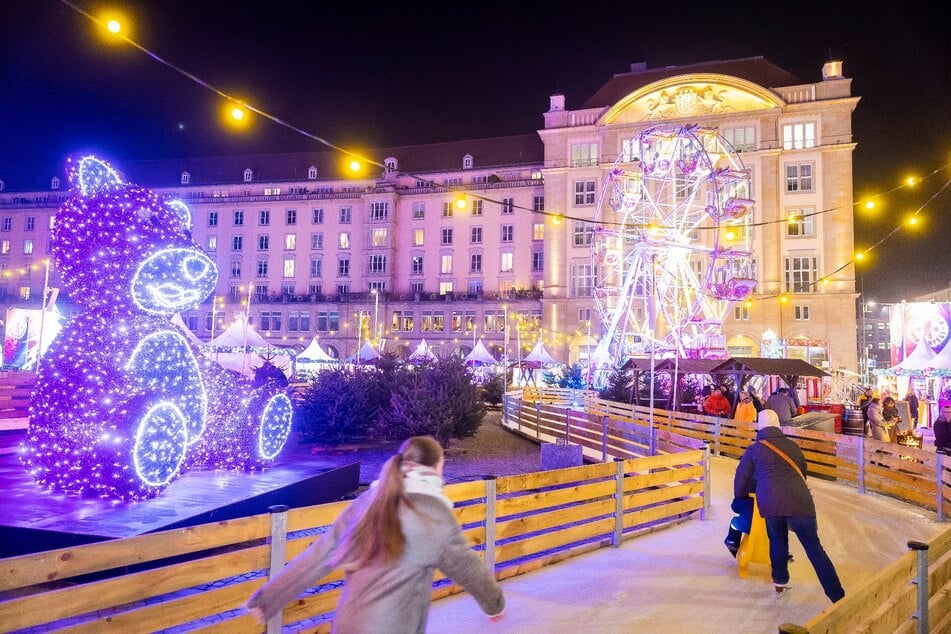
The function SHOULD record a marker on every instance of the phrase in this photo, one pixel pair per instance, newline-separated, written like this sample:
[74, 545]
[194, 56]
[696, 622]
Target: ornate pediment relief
[688, 96]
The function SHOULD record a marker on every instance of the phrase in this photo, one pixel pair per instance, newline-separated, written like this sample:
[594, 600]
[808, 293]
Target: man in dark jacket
[785, 503]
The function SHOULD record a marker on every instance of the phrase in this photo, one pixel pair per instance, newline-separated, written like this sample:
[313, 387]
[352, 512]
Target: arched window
[186, 178]
[467, 162]
[312, 173]
[248, 175]
[54, 184]
[391, 164]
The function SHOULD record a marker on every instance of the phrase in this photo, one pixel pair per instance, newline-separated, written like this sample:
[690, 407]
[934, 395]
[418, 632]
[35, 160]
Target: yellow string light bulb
[870, 205]
[354, 165]
[113, 26]
[859, 256]
[556, 219]
[784, 298]
[913, 220]
[748, 304]
[911, 181]
[461, 202]
[730, 235]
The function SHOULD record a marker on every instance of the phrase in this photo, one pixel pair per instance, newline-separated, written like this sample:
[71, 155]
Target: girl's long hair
[378, 536]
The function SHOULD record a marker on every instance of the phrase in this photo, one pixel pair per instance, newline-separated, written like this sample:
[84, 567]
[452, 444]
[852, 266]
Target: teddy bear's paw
[274, 427]
[161, 441]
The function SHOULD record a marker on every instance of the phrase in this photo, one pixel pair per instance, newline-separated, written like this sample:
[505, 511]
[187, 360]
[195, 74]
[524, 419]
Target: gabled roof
[689, 366]
[758, 70]
[768, 367]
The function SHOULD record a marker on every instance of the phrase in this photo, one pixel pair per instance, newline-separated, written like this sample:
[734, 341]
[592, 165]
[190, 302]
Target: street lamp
[376, 315]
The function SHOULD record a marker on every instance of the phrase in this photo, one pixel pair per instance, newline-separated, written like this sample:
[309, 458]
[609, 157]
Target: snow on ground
[682, 579]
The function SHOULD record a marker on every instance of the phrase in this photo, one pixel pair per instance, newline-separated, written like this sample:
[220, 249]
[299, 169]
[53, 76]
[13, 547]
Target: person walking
[774, 468]
[880, 428]
[745, 410]
[942, 431]
[716, 404]
[781, 403]
[912, 399]
[389, 541]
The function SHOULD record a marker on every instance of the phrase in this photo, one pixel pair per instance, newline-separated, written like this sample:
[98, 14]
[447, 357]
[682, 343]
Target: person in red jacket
[716, 404]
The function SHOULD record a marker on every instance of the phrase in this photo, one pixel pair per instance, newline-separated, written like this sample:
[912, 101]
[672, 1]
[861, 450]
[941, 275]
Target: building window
[237, 243]
[262, 268]
[416, 287]
[538, 203]
[345, 215]
[538, 261]
[801, 313]
[507, 262]
[379, 211]
[584, 192]
[318, 217]
[446, 235]
[7, 224]
[315, 289]
[289, 266]
[445, 288]
[238, 218]
[447, 209]
[583, 234]
[24, 292]
[343, 240]
[417, 237]
[212, 218]
[312, 173]
[235, 269]
[316, 267]
[583, 277]
[467, 162]
[743, 139]
[475, 235]
[799, 177]
[28, 246]
[419, 210]
[417, 265]
[290, 242]
[507, 233]
[264, 217]
[186, 178]
[248, 175]
[316, 241]
[54, 183]
[475, 263]
[378, 237]
[741, 313]
[508, 205]
[476, 207]
[797, 136]
[343, 267]
[538, 231]
[377, 265]
[630, 150]
[264, 243]
[5, 247]
[800, 223]
[290, 217]
[445, 264]
[212, 244]
[584, 154]
[30, 223]
[801, 273]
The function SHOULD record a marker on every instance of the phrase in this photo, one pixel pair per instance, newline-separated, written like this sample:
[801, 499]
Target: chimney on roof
[638, 67]
[832, 70]
[556, 103]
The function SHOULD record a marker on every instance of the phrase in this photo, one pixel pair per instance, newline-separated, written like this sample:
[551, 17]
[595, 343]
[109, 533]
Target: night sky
[375, 74]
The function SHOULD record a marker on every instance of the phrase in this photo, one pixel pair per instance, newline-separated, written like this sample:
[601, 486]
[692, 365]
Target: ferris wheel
[672, 243]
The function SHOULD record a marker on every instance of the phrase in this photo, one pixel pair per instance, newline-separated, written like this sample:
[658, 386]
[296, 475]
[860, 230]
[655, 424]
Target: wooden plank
[662, 494]
[541, 521]
[63, 563]
[548, 541]
[46, 607]
[311, 605]
[465, 491]
[660, 478]
[540, 479]
[313, 516]
[556, 497]
[664, 511]
[470, 513]
[660, 462]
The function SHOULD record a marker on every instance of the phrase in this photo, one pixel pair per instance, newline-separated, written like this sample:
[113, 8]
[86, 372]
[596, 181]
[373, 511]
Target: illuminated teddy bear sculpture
[122, 404]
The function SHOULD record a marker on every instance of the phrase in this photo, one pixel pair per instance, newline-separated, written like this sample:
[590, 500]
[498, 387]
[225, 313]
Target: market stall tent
[366, 354]
[422, 352]
[479, 354]
[539, 357]
[242, 349]
[189, 335]
[313, 359]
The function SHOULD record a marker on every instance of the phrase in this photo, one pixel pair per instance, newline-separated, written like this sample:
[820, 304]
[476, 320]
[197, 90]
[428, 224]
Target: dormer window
[312, 173]
[54, 184]
[186, 178]
[391, 164]
[248, 175]
[467, 162]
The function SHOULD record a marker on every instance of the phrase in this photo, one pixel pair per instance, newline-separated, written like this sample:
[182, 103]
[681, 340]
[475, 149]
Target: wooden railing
[913, 594]
[201, 576]
[15, 389]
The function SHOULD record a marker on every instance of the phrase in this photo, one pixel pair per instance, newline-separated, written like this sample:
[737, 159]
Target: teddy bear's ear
[181, 209]
[94, 176]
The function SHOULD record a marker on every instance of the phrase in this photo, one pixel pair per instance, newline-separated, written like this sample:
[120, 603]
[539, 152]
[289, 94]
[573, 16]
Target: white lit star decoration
[122, 404]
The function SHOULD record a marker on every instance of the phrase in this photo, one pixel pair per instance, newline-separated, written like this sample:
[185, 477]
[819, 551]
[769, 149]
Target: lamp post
[376, 315]
[46, 285]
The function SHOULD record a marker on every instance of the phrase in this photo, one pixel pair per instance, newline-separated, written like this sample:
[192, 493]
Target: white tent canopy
[189, 335]
[921, 357]
[422, 352]
[364, 355]
[240, 334]
[480, 355]
[242, 349]
[313, 353]
[540, 355]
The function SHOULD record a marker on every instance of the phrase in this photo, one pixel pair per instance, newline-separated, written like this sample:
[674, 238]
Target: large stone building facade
[490, 238]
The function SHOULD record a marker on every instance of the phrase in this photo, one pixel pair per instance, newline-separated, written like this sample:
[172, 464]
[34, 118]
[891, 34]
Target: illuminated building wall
[390, 225]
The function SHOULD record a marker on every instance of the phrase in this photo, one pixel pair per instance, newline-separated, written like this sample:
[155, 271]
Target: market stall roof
[239, 334]
[639, 364]
[192, 337]
[364, 355]
[479, 354]
[540, 356]
[767, 367]
[689, 366]
[422, 352]
[314, 354]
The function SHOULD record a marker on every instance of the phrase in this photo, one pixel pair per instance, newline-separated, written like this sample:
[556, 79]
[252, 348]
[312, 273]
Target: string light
[122, 405]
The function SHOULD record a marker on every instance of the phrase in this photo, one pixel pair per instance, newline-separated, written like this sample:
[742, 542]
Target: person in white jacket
[389, 542]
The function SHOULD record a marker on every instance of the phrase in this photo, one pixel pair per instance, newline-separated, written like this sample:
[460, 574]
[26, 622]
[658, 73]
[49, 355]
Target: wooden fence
[201, 576]
[15, 389]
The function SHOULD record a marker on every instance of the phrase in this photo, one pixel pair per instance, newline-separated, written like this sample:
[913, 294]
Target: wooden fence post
[538, 420]
[521, 405]
[921, 580]
[568, 424]
[505, 410]
[861, 464]
[490, 523]
[618, 503]
[604, 438]
[706, 481]
[716, 437]
[278, 540]
[939, 469]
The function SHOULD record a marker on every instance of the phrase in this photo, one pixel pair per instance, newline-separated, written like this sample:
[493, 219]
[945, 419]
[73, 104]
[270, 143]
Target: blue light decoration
[123, 404]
